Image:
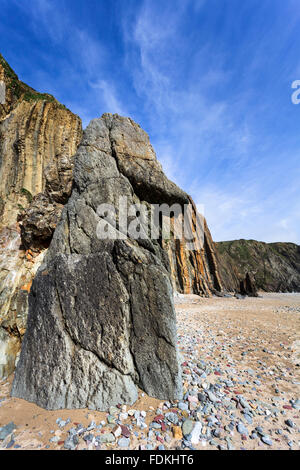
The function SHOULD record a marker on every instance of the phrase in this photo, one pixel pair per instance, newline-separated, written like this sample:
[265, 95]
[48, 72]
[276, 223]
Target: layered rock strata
[38, 139]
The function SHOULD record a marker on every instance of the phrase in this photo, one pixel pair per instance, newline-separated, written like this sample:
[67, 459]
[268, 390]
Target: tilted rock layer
[101, 316]
[38, 139]
[275, 267]
[194, 271]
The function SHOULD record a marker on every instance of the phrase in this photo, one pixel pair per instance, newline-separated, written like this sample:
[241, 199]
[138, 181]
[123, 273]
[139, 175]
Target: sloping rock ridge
[275, 267]
[38, 139]
[101, 316]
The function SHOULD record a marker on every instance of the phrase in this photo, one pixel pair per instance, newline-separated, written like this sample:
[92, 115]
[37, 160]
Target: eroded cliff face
[275, 267]
[38, 138]
[194, 271]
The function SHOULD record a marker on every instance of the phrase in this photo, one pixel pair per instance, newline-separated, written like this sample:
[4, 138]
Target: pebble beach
[240, 362]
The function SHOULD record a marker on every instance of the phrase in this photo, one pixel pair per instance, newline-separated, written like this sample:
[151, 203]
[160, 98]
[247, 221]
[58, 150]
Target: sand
[246, 331]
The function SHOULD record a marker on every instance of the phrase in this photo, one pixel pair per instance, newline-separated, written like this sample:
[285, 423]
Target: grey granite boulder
[101, 316]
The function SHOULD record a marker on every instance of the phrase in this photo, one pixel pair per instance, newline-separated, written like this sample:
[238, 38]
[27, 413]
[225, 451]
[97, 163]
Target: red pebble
[217, 373]
[158, 418]
[163, 426]
[125, 431]
[287, 407]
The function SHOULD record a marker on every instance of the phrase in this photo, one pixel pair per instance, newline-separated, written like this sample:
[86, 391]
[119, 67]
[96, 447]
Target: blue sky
[209, 80]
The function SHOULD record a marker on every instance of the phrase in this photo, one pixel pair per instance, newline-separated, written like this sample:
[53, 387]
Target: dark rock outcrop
[274, 267]
[248, 287]
[39, 221]
[101, 317]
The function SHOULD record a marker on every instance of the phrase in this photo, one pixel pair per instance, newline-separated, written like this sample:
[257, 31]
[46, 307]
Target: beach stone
[196, 433]
[7, 430]
[71, 442]
[267, 440]
[187, 427]
[111, 419]
[10, 444]
[183, 406]
[107, 438]
[124, 442]
[230, 445]
[177, 432]
[113, 410]
[290, 423]
[117, 431]
[241, 428]
[172, 417]
[125, 431]
[212, 397]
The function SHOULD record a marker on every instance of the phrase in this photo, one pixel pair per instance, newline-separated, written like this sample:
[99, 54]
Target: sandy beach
[240, 360]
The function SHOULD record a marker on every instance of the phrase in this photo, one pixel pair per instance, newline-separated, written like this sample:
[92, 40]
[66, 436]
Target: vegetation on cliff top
[21, 90]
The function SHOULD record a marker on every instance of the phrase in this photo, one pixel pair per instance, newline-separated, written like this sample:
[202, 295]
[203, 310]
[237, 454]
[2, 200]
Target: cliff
[275, 267]
[194, 271]
[38, 138]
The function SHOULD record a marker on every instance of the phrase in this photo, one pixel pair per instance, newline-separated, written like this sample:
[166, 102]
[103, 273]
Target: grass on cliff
[21, 90]
[27, 194]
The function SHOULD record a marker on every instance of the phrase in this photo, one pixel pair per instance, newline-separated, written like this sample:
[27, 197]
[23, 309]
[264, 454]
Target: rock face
[248, 287]
[101, 317]
[39, 221]
[38, 138]
[194, 271]
[275, 267]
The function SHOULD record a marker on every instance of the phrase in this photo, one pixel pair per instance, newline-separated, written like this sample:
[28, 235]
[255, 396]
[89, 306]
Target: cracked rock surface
[101, 316]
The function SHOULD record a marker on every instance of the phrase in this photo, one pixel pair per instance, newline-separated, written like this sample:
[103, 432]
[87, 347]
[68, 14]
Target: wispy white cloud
[109, 96]
[210, 144]
[83, 65]
[210, 85]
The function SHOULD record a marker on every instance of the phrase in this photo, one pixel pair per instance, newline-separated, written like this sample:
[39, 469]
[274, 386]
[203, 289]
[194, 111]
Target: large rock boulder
[101, 317]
